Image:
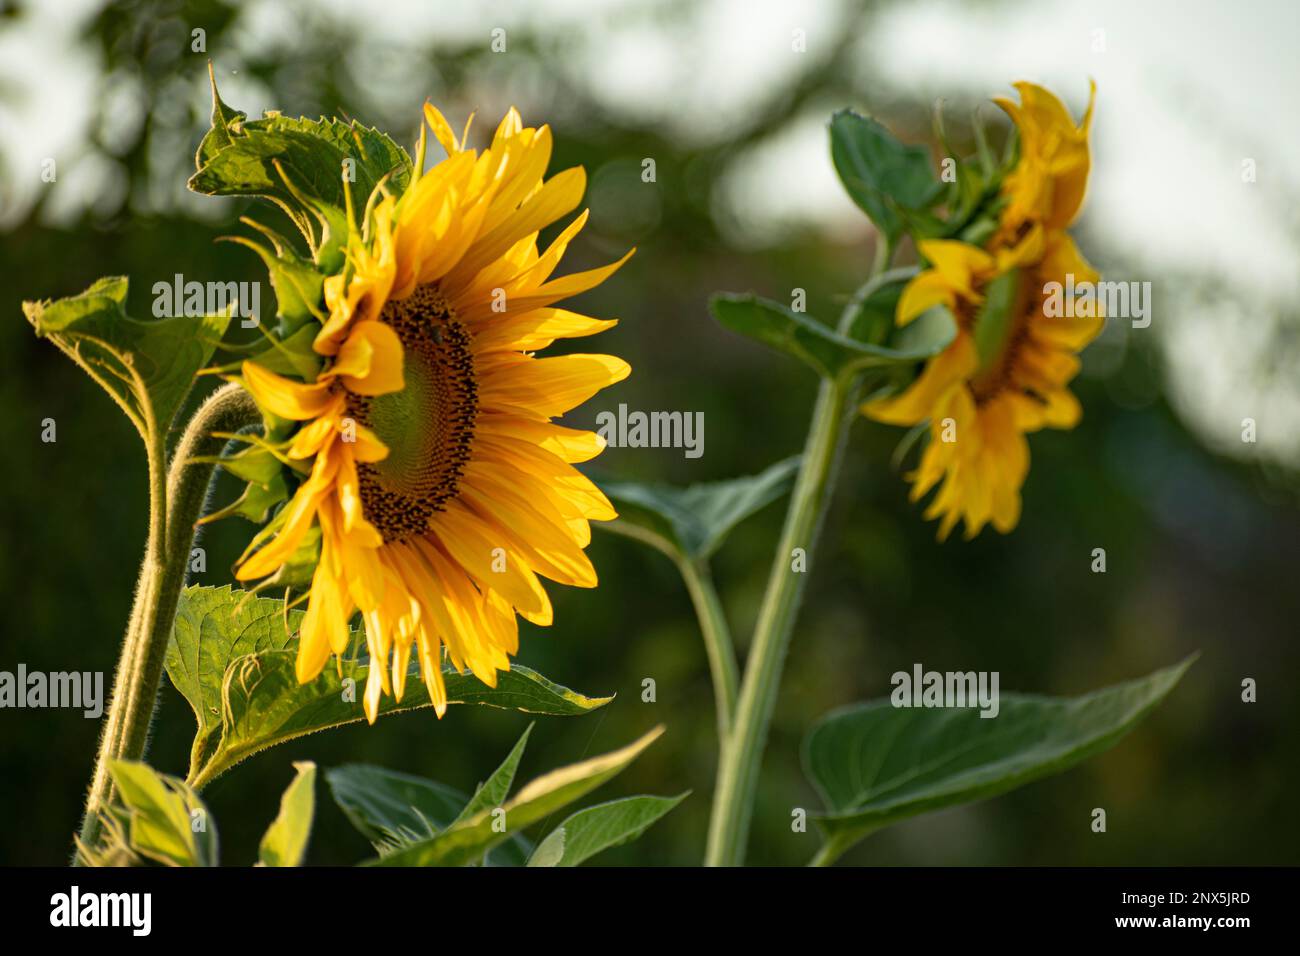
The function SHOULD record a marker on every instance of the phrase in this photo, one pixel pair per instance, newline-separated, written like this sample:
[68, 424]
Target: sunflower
[440, 486]
[1008, 368]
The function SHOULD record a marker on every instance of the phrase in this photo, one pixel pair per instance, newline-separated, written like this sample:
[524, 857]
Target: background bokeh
[1201, 530]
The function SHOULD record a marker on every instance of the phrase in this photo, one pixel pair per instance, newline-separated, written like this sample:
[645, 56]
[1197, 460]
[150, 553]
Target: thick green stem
[741, 757]
[176, 499]
[733, 798]
[717, 642]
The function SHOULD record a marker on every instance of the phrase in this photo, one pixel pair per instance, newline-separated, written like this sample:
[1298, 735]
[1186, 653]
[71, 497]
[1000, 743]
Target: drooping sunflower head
[1050, 177]
[424, 449]
[1005, 373]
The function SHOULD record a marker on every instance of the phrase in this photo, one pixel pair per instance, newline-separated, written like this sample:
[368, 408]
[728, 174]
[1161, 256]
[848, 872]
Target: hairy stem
[176, 498]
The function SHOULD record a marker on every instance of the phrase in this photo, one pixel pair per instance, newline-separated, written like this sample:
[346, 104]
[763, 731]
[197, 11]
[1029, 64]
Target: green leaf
[285, 841]
[388, 807]
[167, 822]
[891, 182]
[875, 764]
[223, 118]
[299, 297]
[693, 522]
[496, 788]
[394, 810]
[232, 657]
[298, 164]
[470, 839]
[263, 704]
[598, 828]
[147, 367]
[827, 351]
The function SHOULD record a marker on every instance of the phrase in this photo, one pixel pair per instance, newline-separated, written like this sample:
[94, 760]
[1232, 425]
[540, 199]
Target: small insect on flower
[440, 486]
[1008, 368]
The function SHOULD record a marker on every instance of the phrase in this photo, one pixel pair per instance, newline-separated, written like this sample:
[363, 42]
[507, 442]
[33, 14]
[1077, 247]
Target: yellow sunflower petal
[947, 370]
[552, 386]
[285, 397]
[370, 361]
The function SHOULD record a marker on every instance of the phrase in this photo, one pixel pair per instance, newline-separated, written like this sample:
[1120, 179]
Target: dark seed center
[428, 426]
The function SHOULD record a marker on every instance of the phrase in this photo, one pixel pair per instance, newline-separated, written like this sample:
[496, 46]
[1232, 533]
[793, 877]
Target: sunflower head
[423, 455]
[1008, 368]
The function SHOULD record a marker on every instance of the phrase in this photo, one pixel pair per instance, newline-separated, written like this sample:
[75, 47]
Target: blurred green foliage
[1201, 552]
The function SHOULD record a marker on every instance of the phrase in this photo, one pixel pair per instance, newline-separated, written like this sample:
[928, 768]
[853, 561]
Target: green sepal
[255, 502]
[298, 285]
[993, 322]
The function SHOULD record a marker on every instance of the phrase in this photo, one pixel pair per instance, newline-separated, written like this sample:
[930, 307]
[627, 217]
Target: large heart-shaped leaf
[470, 839]
[821, 347]
[232, 657]
[693, 522]
[146, 366]
[598, 828]
[875, 764]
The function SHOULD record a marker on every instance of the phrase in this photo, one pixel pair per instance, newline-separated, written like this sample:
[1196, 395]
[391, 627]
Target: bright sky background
[1187, 90]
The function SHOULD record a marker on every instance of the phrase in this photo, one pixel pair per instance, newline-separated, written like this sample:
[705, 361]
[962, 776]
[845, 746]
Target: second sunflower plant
[409, 487]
